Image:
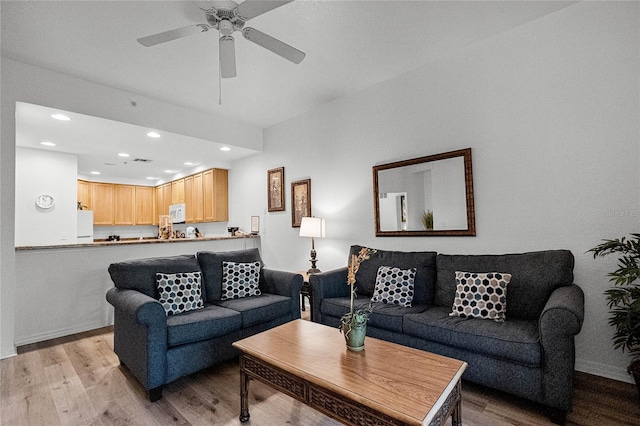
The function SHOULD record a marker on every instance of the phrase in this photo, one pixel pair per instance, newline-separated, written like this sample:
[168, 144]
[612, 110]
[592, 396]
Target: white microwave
[177, 213]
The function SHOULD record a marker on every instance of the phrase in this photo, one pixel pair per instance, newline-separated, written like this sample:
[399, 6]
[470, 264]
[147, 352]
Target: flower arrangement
[355, 317]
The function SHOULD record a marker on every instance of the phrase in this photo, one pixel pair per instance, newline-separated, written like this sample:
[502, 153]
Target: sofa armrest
[140, 335]
[285, 284]
[326, 285]
[560, 321]
[563, 313]
[146, 310]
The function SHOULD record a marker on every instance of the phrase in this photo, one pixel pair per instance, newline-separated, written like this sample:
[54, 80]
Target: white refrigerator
[85, 226]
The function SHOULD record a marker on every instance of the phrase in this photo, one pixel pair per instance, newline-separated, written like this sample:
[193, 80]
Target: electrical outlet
[63, 236]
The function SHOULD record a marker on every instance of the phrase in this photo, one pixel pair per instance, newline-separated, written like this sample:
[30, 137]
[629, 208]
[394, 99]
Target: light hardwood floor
[77, 380]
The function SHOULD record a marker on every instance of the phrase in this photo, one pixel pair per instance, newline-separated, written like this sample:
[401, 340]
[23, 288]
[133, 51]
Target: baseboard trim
[54, 334]
[604, 370]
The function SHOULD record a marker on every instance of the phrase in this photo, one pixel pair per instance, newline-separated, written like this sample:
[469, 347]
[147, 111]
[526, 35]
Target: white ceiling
[349, 46]
[97, 142]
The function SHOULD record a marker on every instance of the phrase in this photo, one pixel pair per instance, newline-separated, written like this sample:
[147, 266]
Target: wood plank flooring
[77, 380]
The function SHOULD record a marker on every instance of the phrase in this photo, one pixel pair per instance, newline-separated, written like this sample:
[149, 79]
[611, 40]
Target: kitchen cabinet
[123, 207]
[163, 199]
[216, 195]
[193, 198]
[177, 191]
[102, 198]
[188, 199]
[205, 196]
[84, 194]
[145, 205]
[197, 201]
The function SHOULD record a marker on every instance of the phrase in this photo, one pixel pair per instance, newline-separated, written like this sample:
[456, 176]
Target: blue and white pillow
[180, 292]
[240, 280]
[394, 286]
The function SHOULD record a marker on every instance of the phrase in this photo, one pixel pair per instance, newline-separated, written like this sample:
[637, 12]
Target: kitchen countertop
[130, 241]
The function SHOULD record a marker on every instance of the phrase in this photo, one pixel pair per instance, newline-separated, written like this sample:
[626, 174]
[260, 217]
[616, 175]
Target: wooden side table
[305, 291]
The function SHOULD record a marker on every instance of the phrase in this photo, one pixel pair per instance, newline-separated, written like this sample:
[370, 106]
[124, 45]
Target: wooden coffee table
[386, 384]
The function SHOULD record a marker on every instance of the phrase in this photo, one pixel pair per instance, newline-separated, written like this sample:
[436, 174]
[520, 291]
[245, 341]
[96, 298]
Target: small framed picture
[275, 189]
[300, 201]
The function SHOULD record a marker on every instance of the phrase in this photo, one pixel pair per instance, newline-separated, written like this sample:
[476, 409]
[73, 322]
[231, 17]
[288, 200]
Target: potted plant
[623, 299]
[353, 324]
[427, 220]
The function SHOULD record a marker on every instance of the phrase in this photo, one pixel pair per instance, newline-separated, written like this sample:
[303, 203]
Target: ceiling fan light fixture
[227, 57]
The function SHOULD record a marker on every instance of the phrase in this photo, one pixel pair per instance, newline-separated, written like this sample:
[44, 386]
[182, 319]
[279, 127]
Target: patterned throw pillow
[481, 295]
[180, 292]
[394, 286]
[240, 280]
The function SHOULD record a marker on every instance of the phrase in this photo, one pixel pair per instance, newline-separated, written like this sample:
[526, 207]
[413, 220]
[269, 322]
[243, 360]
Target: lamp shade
[312, 227]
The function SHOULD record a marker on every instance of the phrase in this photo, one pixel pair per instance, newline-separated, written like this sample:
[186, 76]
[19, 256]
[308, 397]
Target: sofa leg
[155, 394]
[557, 416]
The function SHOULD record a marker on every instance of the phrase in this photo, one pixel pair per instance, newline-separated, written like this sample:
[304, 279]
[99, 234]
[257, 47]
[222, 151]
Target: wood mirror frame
[423, 166]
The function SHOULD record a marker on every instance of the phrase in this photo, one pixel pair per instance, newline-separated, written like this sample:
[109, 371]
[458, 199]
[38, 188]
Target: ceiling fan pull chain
[219, 84]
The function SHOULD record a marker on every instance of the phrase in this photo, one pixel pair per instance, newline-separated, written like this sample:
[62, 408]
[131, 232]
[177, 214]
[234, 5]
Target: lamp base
[313, 271]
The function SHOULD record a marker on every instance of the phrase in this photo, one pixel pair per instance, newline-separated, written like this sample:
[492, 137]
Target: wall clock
[45, 201]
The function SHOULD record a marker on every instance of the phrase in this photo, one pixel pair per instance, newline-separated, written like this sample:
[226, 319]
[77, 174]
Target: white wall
[550, 110]
[26, 83]
[41, 172]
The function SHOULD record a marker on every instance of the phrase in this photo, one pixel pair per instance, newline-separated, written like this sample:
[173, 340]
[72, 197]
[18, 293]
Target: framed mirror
[426, 196]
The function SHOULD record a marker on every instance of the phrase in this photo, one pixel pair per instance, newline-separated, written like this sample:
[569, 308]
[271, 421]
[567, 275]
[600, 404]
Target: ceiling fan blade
[163, 37]
[251, 8]
[276, 46]
[227, 57]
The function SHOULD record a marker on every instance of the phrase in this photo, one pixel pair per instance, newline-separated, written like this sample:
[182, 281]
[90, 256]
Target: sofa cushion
[259, 309]
[385, 316]
[140, 274]
[207, 323]
[180, 292]
[534, 276]
[481, 295]
[512, 340]
[394, 286]
[424, 262]
[211, 265]
[240, 280]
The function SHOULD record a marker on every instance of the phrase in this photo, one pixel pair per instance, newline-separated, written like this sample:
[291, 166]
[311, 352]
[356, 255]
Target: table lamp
[312, 227]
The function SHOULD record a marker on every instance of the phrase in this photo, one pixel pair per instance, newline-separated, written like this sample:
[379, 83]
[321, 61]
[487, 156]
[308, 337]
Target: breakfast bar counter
[129, 241]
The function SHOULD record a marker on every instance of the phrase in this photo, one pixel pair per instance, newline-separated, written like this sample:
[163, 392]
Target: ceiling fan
[227, 17]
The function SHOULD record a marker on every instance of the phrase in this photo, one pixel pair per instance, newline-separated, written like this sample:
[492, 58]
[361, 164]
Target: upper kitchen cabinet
[102, 199]
[177, 191]
[125, 200]
[84, 194]
[216, 195]
[145, 202]
[205, 195]
[197, 202]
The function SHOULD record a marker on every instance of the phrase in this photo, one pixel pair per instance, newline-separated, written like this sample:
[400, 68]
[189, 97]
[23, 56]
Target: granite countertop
[129, 241]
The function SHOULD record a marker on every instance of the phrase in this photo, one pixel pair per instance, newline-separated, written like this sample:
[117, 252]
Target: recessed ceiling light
[95, 173]
[152, 178]
[47, 143]
[169, 171]
[225, 148]
[153, 134]
[123, 154]
[188, 163]
[60, 117]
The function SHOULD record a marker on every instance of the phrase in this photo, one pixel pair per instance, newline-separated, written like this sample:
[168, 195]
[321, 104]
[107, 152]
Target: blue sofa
[159, 348]
[531, 354]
